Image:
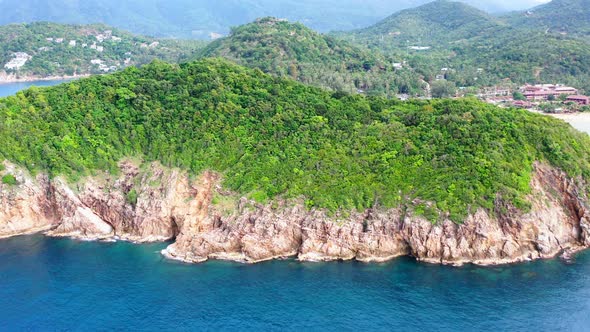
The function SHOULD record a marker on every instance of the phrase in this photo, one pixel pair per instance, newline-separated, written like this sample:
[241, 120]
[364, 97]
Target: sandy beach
[580, 121]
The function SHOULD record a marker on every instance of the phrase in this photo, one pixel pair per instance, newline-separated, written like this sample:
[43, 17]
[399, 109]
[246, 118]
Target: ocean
[7, 89]
[61, 284]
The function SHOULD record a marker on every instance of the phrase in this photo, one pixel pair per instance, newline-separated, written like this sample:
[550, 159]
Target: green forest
[276, 138]
[483, 50]
[292, 50]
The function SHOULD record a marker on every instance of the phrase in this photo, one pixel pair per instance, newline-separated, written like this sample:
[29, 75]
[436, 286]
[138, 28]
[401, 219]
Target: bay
[8, 89]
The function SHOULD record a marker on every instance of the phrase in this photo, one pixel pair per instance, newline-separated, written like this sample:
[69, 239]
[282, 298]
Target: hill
[437, 22]
[273, 138]
[48, 49]
[523, 57]
[565, 17]
[475, 49]
[292, 50]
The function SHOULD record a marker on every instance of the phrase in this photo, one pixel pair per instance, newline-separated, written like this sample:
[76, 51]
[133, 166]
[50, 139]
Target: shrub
[131, 197]
[9, 179]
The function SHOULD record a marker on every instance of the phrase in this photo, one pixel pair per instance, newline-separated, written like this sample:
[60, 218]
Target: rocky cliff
[152, 203]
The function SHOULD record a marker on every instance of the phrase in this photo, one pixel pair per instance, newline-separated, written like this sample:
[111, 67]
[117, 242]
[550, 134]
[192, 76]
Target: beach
[580, 121]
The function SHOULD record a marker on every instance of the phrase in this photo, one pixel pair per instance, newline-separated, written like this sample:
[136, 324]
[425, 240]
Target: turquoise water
[62, 284]
[12, 88]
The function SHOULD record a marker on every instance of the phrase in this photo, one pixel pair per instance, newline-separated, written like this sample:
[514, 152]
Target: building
[581, 100]
[499, 99]
[419, 48]
[19, 59]
[494, 91]
[522, 104]
[542, 92]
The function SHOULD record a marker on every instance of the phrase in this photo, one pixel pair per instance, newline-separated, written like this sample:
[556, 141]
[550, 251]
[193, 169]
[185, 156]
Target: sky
[201, 18]
[505, 5]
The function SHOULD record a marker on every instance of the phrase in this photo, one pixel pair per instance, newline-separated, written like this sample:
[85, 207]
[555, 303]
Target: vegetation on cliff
[272, 137]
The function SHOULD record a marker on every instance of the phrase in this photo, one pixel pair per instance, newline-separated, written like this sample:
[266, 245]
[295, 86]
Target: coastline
[565, 253]
[181, 209]
[571, 116]
[8, 79]
[580, 120]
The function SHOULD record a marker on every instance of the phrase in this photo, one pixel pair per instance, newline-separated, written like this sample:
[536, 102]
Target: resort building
[542, 92]
[581, 100]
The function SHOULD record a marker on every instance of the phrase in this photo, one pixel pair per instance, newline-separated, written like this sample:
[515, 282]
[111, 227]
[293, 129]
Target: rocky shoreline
[206, 222]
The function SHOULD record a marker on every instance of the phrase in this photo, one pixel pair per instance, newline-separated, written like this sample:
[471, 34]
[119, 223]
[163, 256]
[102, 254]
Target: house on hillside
[19, 59]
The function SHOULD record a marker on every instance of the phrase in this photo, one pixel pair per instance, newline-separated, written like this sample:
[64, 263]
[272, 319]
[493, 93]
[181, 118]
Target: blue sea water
[9, 89]
[62, 284]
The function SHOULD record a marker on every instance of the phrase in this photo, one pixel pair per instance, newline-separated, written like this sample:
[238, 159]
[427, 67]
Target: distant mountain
[49, 49]
[567, 17]
[199, 18]
[464, 45]
[206, 18]
[521, 56]
[431, 24]
[292, 50]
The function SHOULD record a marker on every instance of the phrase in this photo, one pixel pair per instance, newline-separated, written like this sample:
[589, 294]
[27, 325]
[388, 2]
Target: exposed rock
[27, 207]
[154, 203]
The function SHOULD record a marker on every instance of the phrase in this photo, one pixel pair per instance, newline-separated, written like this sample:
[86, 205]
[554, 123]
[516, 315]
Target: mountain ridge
[440, 21]
[202, 19]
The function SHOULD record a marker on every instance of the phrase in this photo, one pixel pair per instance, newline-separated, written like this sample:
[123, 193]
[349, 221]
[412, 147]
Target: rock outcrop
[153, 203]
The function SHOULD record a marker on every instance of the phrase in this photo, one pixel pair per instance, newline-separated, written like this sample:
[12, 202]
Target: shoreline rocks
[169, 205]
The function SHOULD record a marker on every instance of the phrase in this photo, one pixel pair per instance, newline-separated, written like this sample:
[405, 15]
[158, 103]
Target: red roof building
[582, 100]
[522, 104]
[543, 91]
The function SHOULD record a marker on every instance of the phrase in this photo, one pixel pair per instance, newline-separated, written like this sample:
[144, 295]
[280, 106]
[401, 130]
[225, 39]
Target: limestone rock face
[153, 203]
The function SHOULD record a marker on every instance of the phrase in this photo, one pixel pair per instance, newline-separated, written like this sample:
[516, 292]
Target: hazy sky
[199, 18]
[505, 4]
